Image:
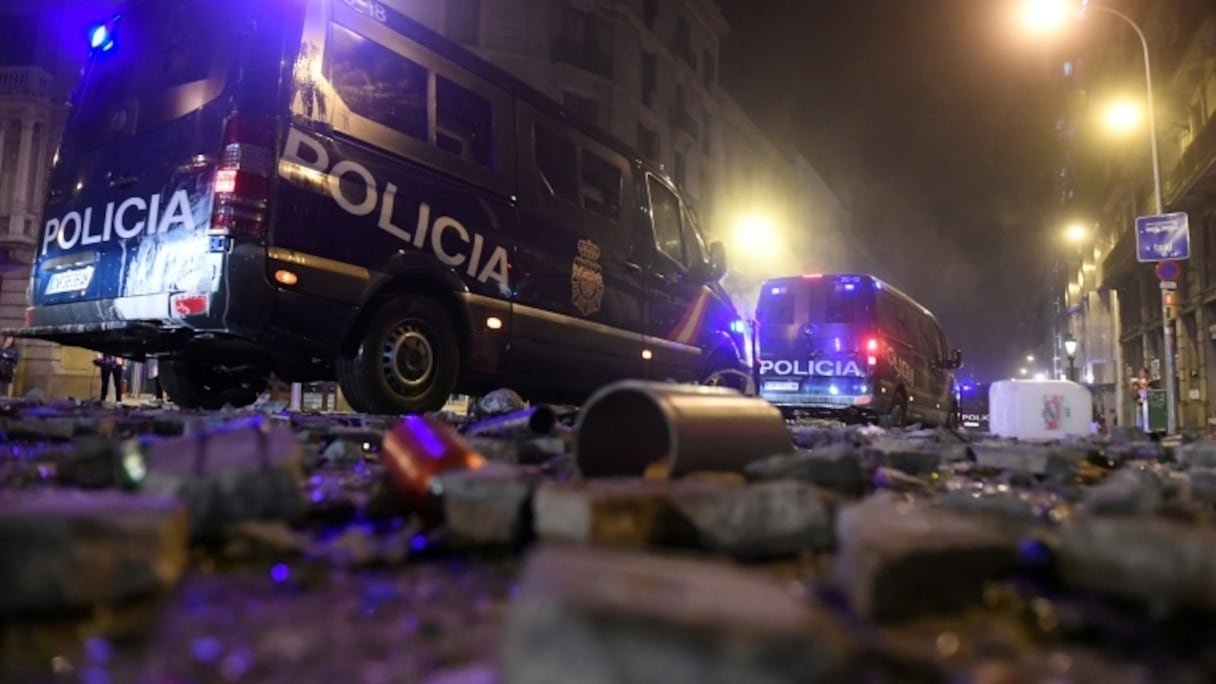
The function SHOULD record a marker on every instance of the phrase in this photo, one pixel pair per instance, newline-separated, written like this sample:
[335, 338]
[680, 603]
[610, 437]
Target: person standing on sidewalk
[10, 355]
[111, 368]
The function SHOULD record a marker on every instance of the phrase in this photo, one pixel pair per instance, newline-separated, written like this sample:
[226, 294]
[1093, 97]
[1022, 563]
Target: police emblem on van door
[587, 279]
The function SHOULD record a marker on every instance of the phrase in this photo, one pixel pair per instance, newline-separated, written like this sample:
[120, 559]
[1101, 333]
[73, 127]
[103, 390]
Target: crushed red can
[415, 451]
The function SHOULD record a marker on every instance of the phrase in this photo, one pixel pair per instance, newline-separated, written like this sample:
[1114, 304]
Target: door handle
[633, 267]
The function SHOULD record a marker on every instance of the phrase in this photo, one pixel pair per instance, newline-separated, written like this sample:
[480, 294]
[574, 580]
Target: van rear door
[815, 338]
[126, 224]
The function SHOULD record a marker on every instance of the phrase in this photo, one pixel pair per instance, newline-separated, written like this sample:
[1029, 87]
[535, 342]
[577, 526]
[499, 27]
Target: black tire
[953, 419]
[191, 385]
[376, 377]
[897, 415]
[724, 372]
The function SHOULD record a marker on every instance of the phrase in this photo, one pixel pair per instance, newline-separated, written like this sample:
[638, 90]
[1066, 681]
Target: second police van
[854, 347]
[326, 188]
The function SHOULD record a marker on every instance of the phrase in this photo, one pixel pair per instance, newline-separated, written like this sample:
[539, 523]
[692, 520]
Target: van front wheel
[406, 360]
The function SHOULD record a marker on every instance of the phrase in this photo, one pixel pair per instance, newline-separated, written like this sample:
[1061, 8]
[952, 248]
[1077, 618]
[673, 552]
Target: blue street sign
[1166, 237]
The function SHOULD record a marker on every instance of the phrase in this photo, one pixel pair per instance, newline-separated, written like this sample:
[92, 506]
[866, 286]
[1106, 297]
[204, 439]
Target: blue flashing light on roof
[738, 326]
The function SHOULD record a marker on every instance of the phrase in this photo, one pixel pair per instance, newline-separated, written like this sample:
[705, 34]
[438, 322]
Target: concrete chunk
[1148, 559]
[65, 550]
[597, 617]
[1033, 459]
[488, 505]
[896, 559]
[629, 512]
[230, 474]
[762, 520]
[836, 467]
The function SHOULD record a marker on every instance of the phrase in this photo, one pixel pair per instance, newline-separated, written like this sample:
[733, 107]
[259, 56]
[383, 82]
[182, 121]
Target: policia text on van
[330, 189]
[852, 346]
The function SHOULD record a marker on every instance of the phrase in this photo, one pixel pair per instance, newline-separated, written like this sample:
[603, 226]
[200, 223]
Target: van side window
[665, 213]
[379, 84]
[464, 123]
[557, 161]
[601, 185]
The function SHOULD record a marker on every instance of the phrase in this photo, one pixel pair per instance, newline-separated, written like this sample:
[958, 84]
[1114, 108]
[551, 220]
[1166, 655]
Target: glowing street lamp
[1045, 15]
[1076, 233]
[1122, 117]
[1023, 371]
[755, 234]
[1070, 350]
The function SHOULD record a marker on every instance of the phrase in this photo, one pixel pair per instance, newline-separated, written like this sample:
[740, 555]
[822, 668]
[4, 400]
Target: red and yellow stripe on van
[685, 331]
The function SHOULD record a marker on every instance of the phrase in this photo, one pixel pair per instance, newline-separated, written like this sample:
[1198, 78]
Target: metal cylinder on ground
[630, 427]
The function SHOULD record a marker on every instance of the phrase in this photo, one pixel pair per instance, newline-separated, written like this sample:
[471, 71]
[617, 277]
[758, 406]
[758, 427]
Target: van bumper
[162, 322]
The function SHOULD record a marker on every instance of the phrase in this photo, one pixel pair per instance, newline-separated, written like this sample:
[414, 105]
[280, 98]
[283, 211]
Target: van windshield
[155, 62]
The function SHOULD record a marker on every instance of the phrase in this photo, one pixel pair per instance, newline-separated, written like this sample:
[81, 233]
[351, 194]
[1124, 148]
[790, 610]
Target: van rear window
[157, 48]
[776, 308]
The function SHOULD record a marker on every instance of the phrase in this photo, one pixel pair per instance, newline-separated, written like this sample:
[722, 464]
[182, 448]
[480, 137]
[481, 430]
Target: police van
[854, 347]
[327, 189]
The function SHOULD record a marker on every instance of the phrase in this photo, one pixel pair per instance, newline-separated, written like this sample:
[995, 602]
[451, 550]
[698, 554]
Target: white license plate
[782, 385]
[830, 400]
[75, 280]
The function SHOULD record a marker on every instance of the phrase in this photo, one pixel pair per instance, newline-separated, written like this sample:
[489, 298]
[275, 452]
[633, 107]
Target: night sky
[933, 120]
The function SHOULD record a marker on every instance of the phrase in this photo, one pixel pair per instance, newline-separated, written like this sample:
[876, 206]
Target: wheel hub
[409, 359]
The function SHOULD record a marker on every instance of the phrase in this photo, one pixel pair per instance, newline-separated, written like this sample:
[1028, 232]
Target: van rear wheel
[407, 360]
[197, 385]
[897, 416]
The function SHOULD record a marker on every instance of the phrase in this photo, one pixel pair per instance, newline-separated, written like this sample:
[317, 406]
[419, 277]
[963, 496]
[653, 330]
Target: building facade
[1110, 302]
[644, 70]
[36, 77]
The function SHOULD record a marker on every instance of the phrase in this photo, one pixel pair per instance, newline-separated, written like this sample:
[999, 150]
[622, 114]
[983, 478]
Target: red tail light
[873, 345]
[241, 191]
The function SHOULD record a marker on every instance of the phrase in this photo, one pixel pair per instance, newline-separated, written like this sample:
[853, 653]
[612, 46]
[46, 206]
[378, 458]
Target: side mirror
[717, 260]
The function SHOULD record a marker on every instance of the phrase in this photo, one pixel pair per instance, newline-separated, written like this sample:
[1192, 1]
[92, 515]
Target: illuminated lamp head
[101, 37]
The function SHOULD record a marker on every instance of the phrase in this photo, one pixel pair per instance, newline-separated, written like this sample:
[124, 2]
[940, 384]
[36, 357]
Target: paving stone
[1127, 434]
[763, 520]
[896, 559]
[1199, 454]
[498, 402]
[627, 512]
[1003, 505]
[490, 505]
[1154, 560]
[94, 462]
[597, 617]
[1134, 451]
[1125, 492]
[914, 457]
[59, 429]
[837, 467]
[1202, 484]
[1034, 459]
[241, 472]
[63, 550]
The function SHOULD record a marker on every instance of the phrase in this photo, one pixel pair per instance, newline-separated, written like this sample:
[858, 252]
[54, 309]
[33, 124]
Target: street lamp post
[1167, 326]
[1070, 350]
[1051, 13]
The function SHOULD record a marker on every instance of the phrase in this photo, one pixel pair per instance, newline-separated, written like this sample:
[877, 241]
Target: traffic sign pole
[1171, 395]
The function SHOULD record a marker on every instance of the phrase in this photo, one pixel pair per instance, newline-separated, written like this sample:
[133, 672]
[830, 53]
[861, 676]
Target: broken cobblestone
[649, 618]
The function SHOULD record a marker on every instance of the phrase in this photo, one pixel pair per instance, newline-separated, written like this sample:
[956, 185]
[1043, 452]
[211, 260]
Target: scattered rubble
[153, 545]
